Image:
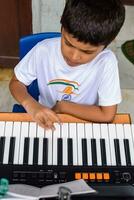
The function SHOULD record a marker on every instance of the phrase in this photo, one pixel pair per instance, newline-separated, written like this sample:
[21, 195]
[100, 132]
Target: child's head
[93, 21]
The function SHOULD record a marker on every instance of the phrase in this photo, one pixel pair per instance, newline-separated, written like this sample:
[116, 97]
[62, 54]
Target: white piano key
[120, 136]
[129, 135]
[16, 134]
[64, 135]
[97, 136]
[8, 134]
[104, 135]
[89, 136]
[2, 128]
[40, 135]
[112, 136]
[40, 132]
[49, 136]
[32, 135]
[73, 135]
[56, 135]
[40, 152]
[132, 127]
[80, 134]
[24, 133]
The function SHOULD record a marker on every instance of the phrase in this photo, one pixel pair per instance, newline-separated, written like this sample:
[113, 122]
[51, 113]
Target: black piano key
[103, 152]
[84, 151]
[35, 151]
[26, 151]
[117, 152]
[11, 150]
[94, 152]
[70, 151]
[127, 152]
[45, 151]
[59, 151]
[2, 145]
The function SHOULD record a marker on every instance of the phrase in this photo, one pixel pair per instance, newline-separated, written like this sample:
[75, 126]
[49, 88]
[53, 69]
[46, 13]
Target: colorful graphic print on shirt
[69, 87]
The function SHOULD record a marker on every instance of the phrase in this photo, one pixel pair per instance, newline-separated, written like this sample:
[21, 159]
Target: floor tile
[126, 68]
[127, 104]
[6, 100]
[5, 74]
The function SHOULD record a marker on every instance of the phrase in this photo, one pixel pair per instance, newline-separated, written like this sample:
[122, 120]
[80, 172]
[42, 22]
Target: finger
[42, 122]
[50, 125]
[42, 125]
[58, 119]
[54, 117]
[47, 124]
[46, 127]
[46, 121]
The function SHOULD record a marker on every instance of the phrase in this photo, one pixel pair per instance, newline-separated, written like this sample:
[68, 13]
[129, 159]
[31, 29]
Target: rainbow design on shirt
[73, 84]
[70, 86]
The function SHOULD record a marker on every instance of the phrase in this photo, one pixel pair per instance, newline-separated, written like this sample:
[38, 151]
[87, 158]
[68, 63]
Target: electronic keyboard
[101, 154]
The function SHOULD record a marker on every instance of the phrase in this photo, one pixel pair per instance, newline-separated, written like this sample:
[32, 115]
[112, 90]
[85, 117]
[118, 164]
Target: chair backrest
[26, 43]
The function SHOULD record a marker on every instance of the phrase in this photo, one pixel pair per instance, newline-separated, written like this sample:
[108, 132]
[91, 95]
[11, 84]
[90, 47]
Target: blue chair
[25, 45]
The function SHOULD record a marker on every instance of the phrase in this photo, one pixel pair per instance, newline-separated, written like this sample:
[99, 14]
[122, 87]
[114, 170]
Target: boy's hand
[44, 116]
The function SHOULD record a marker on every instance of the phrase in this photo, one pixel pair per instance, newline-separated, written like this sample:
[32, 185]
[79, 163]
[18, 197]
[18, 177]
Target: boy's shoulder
[50, 41]
[107, 55]
[47, 45]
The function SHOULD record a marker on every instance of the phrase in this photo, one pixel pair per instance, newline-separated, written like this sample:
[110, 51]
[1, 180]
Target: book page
[34, 193]
[24, 191]
[76, 187]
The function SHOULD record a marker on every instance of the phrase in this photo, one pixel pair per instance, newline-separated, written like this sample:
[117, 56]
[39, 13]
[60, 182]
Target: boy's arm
[44, 116]
[104, 114]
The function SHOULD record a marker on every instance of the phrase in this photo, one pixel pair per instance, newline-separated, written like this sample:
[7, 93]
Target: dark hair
[93, 21]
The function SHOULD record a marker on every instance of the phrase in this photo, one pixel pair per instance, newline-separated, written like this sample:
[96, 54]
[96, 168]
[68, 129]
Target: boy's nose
[75, 55]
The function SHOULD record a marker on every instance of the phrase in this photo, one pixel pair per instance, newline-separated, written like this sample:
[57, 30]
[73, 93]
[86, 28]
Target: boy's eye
[86, 52]
[68, 44]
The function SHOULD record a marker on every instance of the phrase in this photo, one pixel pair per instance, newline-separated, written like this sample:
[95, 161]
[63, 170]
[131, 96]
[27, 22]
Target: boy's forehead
[74, 42]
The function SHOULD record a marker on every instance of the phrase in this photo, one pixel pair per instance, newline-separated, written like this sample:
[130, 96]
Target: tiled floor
[126, 71]
[126, 68]
[6, 100]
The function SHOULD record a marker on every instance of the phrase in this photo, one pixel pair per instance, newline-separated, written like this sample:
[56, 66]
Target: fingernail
[53, 128]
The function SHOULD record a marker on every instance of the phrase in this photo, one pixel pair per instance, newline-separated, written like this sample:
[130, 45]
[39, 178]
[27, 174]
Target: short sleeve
[109, 92]
[25, 70]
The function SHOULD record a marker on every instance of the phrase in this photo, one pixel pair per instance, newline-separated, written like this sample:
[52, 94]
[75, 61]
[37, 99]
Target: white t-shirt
[94, 83]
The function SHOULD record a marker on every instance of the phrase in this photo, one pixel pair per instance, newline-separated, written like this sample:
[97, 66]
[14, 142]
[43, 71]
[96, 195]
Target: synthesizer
[101, 154]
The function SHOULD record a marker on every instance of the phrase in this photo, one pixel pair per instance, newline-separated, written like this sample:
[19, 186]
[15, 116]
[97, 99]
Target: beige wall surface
[46, 15]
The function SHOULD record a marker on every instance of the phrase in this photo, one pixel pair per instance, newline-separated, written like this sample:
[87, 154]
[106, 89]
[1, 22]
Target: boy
[76, 74]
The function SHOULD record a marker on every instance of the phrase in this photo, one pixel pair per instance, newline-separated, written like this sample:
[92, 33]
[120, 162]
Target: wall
[127, 31]
[46, 15]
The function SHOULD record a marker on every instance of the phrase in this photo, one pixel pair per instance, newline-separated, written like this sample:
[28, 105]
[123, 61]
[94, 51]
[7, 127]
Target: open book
[22, 191]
